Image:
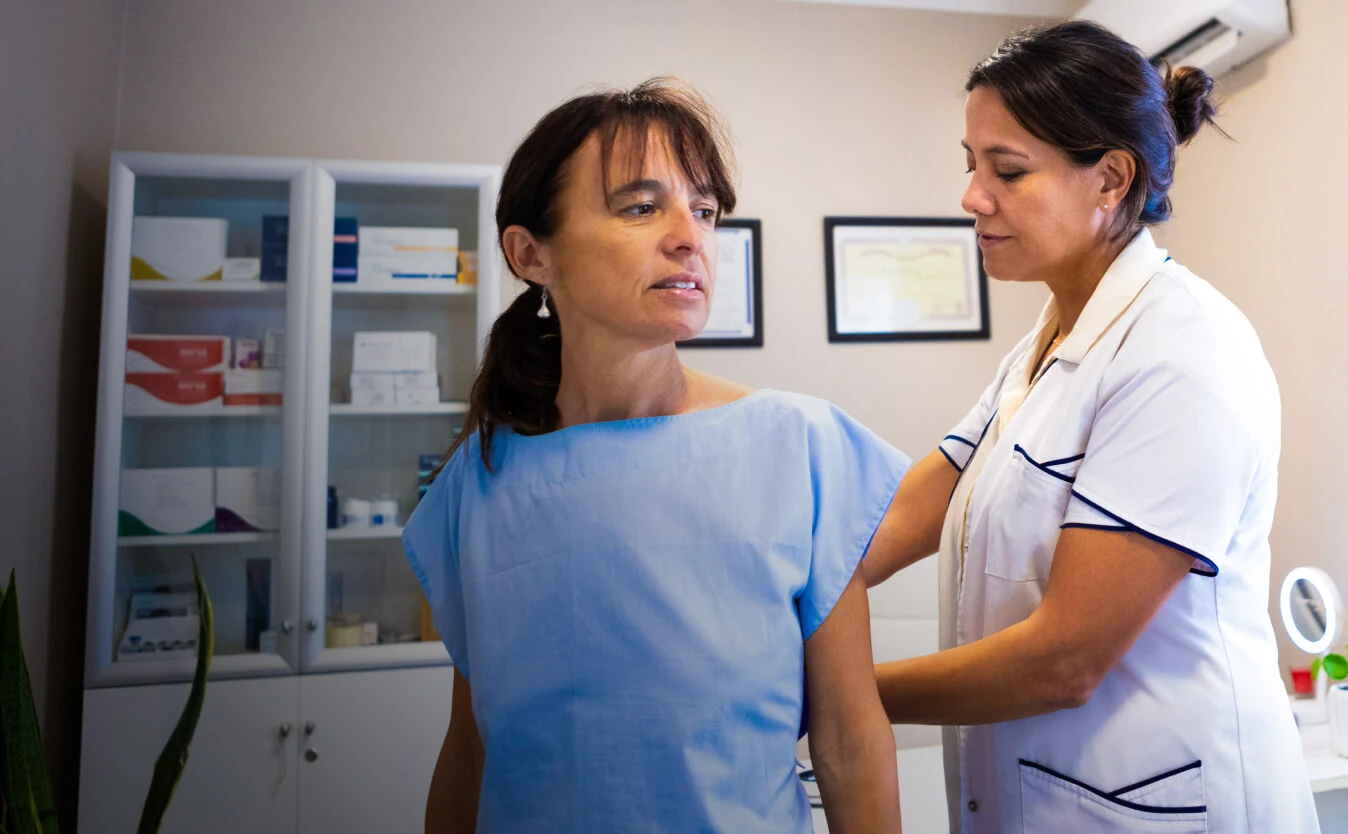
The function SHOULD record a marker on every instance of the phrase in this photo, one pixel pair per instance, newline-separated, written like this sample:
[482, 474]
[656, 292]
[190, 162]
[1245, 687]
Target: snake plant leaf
[27, 783]
[168, 768]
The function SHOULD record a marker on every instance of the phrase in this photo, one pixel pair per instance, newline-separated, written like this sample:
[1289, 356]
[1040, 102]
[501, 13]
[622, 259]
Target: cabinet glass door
[199, 389]
[398, 325]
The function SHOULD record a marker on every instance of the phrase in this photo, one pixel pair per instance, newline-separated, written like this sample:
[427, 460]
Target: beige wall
[58, 76]
[1264, 219]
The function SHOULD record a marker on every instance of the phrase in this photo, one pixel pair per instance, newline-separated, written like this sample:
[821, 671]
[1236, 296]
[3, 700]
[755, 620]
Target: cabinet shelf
[432, 286]
[210, 295]
[170, 413]
[349, 410]
[365, 533]
[202, 539]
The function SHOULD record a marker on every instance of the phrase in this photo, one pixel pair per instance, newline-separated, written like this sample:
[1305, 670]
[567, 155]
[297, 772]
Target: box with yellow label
[178, 249]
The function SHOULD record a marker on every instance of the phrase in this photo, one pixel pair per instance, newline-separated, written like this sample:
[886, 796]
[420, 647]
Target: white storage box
[161, 627]
[147, 353]
[417, 396]
[254, 386]
[371, 396]
[247, 499]
[178, 248]
[388, 269]
[160, 502]
[399, 240]
[243, 269]
[373, 381]
[416, 379]
[393, 351]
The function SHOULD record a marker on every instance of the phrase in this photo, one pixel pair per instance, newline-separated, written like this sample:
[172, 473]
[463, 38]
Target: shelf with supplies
[349, 410]
[409, 287]
[196, 539]
[366, 533]
[213, 412]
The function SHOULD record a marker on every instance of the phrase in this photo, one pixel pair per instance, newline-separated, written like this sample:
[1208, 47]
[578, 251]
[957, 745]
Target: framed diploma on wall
[893, 279]
[736, 318]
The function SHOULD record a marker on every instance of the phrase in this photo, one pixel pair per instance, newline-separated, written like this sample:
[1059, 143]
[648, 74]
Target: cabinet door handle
[311, 755]
[309, 728]
[287, 626]
[313, 624]
[284, 730]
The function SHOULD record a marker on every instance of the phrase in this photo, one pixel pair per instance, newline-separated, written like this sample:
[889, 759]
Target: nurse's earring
[543, 311]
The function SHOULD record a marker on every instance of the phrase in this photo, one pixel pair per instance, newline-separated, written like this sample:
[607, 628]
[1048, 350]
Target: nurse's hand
[911, 529]
[851, 745]
[1103, 589]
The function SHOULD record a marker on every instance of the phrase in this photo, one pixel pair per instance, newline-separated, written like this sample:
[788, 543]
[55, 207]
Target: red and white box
[158, 391]
[254, 386]
[146, 353]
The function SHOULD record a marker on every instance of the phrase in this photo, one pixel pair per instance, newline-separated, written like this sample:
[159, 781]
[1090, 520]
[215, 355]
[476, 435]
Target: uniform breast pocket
[1023, 522]
[1171, 802]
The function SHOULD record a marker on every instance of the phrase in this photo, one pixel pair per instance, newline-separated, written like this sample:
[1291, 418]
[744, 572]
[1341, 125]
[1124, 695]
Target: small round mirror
[1311, 609]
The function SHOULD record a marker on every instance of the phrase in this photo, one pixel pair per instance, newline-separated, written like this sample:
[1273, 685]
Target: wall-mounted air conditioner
[1215, 35]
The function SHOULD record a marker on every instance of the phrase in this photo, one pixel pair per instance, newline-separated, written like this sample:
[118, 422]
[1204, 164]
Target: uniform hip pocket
[1171, 802]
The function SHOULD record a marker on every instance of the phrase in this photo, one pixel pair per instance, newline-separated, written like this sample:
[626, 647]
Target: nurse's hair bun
[1189, 98]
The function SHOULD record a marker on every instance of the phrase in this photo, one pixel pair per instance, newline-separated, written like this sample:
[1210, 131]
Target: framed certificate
[736, 318]
[894, 279]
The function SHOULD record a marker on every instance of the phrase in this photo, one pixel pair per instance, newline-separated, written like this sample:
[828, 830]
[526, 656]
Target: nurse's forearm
[1000, 678]
[911, 528]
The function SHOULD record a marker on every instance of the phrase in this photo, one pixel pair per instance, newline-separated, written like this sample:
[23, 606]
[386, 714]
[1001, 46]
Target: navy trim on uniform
[958, 468]
[1077, 525]
[1042, 467]
[1153, 780]
[971, 457]
[959, 439]
[1061, 461]
[1167, 542]
[1150, 809]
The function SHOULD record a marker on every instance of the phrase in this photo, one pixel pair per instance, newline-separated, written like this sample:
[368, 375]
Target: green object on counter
[25, 785]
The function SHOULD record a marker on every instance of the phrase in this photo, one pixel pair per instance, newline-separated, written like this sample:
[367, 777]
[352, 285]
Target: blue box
[345, 249]
[275, 246]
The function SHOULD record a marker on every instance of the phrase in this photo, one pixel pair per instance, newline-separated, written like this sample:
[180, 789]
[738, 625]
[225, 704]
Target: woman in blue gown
[633, 564]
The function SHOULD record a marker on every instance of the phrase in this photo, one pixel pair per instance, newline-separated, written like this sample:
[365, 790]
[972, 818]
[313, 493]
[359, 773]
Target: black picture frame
[753, 284]
[983, 330]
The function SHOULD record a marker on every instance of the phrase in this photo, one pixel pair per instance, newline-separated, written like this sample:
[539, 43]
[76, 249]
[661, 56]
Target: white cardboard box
[247, 499]
[417, 396]
[254, 386]
[243, 269]
[402, 240]
[393, 351]
[160, 502]
[416, 379]
[369, 396]
[400, 269]
[373, 381]
[160, 627]
[178, 248]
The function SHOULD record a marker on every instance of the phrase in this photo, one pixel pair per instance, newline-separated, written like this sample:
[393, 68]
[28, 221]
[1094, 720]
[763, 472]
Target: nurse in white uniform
[1103, 512]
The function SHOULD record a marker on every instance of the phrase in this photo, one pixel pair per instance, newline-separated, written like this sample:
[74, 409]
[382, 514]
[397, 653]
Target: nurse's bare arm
[1103, 590]
[911, 529]
[851, 745]
[451, 807]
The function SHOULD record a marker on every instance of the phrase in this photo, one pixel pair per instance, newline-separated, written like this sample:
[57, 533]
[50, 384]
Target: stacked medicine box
[394, 369]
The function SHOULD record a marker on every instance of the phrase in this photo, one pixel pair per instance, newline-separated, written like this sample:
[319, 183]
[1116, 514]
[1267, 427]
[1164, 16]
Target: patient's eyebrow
[636, 187]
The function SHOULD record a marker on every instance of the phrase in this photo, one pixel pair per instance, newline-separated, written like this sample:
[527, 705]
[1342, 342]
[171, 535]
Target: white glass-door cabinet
[237, 306]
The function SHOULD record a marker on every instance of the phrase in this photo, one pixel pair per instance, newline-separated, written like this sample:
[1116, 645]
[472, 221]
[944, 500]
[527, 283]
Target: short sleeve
[430, 539]
[854, 475]
[1168, 459]
[958, 446]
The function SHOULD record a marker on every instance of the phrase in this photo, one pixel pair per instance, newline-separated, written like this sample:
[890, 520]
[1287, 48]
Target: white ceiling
[1027, 8]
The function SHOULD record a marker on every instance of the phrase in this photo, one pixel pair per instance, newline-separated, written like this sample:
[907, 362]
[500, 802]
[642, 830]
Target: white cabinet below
[375, 738]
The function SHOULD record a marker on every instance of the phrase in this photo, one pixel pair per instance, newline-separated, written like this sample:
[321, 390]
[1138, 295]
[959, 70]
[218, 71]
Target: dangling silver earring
[543, 311]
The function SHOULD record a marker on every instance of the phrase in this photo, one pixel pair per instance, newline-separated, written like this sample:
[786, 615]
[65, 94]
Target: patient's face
[1037, 213]
[634, 257]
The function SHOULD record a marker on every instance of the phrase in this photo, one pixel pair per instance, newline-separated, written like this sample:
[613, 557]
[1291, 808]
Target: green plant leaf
[168, 768]
[27, 782]
[1336, 666]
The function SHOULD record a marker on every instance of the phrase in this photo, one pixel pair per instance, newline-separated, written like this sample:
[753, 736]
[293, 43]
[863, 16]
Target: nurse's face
[1039, 215]
[633, 257]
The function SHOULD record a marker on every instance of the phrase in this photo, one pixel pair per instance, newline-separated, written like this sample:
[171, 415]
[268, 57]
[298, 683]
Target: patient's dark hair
[1080, 87]
[516, 385]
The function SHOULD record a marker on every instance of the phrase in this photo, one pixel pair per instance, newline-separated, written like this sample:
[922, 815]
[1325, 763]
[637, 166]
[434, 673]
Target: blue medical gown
[630, 600]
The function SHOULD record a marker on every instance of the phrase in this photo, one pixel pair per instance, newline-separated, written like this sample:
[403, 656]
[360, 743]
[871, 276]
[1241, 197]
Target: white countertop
[1327, 770]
